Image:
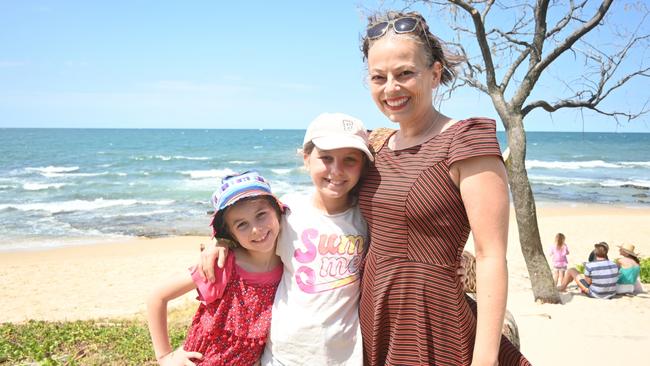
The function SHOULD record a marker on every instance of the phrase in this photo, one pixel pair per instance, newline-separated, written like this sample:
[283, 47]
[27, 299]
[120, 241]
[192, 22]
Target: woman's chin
[393, 116]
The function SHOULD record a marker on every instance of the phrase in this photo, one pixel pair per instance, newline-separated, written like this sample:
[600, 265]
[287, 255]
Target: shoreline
[545, 209]
[101, 280]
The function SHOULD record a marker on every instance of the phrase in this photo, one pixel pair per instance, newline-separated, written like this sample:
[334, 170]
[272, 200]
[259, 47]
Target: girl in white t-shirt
[323, 238]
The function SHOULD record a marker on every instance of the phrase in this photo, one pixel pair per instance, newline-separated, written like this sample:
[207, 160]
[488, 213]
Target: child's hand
[216, 252]
[179, 357]
[461, 273]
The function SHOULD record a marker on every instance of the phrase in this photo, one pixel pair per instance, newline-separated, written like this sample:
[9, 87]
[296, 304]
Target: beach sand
[113, 280]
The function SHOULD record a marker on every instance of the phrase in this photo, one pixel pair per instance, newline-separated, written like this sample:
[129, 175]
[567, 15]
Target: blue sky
[213, 64]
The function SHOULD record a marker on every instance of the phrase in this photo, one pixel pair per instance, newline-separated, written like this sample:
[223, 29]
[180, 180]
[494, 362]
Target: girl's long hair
[559, 240]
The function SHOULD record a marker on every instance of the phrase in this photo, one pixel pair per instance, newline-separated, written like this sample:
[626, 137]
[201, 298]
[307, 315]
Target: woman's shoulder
[472, 123]
[471, 137]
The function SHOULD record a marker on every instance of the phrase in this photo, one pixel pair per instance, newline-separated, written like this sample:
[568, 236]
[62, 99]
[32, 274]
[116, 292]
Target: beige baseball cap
[331, 131]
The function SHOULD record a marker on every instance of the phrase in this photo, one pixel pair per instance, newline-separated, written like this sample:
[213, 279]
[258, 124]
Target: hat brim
[602, 245]
[629, 252]
[343, 141]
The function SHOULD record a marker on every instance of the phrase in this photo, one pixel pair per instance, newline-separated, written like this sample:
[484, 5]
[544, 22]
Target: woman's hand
[216, 251]
[179, 357]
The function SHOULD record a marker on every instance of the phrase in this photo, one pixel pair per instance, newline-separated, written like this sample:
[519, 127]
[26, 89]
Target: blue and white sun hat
[234, 188]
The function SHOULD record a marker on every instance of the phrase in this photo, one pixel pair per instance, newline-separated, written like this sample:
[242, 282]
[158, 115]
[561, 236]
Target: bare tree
[515, 46]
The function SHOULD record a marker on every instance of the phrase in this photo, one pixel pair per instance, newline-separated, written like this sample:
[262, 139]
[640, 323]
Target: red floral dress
[232, 323]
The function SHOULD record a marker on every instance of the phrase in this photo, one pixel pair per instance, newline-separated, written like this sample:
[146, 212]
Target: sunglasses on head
[400, 25]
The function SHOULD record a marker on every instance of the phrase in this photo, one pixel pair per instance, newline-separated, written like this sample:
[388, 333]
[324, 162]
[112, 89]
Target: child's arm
[157, 319]
[213, 254]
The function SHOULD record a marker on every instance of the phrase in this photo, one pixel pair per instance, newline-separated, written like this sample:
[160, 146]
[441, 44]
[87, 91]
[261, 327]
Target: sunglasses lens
[377, 30]
[405, 25]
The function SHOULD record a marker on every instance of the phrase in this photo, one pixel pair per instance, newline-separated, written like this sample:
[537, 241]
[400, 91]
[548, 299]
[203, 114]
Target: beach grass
[87, 342]
[645, 270]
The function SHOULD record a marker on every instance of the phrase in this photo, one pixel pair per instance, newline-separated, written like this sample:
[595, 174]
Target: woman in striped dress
[434, 180]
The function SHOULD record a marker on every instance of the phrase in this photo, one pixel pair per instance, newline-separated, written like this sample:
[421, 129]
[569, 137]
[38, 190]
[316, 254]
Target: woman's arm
[176, 286]
[484, 189]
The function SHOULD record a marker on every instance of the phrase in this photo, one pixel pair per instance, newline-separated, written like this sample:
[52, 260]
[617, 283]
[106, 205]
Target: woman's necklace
[400, 142]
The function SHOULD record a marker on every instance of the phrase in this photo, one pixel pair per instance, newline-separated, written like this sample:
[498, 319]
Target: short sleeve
[211, 291]
[474, 137]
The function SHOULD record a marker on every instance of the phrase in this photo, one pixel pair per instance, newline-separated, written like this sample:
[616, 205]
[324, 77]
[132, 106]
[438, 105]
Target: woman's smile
[396, 103]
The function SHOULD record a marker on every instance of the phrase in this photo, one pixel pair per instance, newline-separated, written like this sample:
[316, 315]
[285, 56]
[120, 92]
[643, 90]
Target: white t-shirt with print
[322, 254]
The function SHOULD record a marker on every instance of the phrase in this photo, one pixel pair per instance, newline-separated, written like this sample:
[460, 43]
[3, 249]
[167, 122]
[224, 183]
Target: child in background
[558, 255]
[232, 322]
[315, 312]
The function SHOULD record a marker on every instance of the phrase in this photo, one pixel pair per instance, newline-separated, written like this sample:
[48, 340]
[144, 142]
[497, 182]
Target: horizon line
[258, 129]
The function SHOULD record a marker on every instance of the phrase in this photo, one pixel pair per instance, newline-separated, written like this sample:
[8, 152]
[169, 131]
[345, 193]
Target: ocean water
[65, 186]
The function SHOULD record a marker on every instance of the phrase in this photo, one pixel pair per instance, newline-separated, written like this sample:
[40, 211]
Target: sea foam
[69, 206]
[570, 164]
[41, 186]
[213, 173]
[53, 169]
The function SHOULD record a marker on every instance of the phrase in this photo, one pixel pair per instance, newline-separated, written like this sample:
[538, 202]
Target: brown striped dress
[413, 310]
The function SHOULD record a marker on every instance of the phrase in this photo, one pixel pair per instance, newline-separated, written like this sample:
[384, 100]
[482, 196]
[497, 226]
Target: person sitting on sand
[592, 255]
[599, 279]
[629, 269]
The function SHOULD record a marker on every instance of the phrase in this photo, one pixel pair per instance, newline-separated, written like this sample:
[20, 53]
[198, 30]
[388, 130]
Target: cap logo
[348, 125]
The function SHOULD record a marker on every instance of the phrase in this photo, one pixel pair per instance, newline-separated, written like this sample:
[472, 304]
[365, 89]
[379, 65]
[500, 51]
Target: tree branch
[488, 6]
[482, 42]
[585, 104]
[536, 67]
[513, 68]
[571, 39]
[562, 23]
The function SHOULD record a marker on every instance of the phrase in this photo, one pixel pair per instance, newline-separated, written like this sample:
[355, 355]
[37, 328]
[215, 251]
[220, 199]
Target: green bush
[580, 267]
[88, 342]
[645, 270]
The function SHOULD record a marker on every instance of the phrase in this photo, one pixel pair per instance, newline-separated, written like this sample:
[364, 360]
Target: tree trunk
[541, 278]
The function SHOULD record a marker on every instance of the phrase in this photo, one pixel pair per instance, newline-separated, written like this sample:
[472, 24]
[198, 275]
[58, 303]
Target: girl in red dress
[232, 322]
